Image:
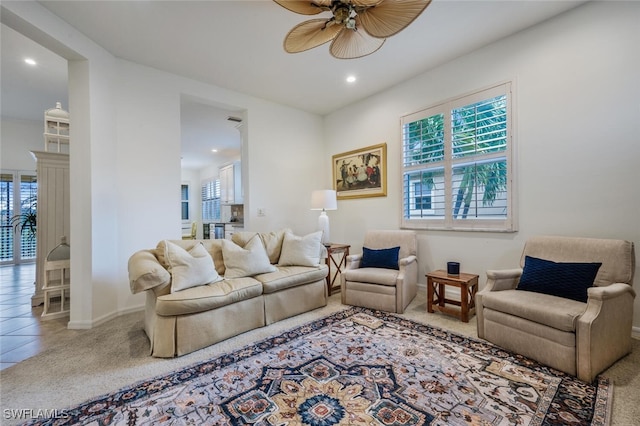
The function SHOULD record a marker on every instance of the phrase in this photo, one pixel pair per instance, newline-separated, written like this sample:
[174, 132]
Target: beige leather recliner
[388, 290]
[581, 339]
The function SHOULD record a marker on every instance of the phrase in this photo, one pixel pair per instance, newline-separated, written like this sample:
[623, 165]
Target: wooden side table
[343, 250]
[436, 299]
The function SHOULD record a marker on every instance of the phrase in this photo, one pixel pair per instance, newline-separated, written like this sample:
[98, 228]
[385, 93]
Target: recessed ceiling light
[351, 79]
[214, 150]
[30, 61]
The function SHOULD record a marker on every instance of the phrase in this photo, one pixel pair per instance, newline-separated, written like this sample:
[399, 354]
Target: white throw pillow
[245, 261]
[301, 251]
[189, 268]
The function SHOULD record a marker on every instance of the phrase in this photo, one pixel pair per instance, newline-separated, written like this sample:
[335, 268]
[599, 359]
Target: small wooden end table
[341, 263]
[468, 285]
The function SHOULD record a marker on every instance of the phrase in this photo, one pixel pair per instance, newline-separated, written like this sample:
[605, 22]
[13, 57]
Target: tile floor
[21, 329]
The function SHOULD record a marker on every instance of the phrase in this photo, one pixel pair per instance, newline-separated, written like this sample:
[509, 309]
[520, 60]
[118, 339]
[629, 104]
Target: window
[423, 196]
[211, 200]
[18, 204]
[184, 204]
[457, 169]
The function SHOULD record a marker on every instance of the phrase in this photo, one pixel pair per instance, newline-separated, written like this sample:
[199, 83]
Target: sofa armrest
[406, 280]
[353, 261]
[145, 272]
[324, 253]
[408, 270]
[497, 280]
[408, 267]
[504, 279]
[610, 291]
[603, 331]
[407, 260]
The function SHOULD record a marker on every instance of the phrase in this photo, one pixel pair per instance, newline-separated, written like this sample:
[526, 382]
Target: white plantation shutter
[6, 228]
[211, 200]
[457, 164]
[18, 195]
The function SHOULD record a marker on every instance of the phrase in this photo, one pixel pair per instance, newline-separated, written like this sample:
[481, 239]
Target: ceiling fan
[357, 27]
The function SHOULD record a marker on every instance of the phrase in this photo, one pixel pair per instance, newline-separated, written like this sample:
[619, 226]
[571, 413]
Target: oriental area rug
[357, 367]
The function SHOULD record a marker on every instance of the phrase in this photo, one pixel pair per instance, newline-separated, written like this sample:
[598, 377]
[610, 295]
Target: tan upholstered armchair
[368, 279]
[581, 338]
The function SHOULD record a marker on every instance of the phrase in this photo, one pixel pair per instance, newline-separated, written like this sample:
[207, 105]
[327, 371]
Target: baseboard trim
[86, 325]
[635, 332]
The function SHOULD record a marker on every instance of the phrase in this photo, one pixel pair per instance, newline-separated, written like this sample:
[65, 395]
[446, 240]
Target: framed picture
[361, 173]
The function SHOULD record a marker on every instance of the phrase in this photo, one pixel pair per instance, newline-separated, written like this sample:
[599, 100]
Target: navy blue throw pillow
[564, 279]
[383, 258]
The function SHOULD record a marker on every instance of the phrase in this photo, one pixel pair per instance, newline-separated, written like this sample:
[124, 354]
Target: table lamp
[324, 199]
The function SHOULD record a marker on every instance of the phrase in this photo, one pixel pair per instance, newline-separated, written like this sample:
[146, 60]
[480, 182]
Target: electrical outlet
[262, 212]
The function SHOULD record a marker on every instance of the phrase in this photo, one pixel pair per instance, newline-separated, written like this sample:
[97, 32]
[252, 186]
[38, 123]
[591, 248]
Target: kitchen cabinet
[230, 229]
[231, 184]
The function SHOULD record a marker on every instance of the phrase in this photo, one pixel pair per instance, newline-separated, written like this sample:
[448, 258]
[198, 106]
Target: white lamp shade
[324, 199]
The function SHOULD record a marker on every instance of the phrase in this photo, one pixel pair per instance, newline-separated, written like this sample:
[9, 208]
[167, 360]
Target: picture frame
[361, 173]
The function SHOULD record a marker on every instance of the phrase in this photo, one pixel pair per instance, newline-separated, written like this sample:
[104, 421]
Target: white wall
[19, 137]
[149, 173]
[577, 137]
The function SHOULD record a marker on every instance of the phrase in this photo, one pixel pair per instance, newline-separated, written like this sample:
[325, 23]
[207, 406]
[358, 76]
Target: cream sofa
[242, 293]
[579, 337]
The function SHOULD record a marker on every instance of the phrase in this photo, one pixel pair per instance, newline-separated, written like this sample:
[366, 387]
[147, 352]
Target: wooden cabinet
[231, 184]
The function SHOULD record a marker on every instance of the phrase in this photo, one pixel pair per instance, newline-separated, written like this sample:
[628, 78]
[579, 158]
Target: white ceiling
[27, 91]
[238, 45]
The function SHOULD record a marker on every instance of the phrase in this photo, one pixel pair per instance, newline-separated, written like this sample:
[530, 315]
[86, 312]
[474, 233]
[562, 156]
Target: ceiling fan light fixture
[350, 24]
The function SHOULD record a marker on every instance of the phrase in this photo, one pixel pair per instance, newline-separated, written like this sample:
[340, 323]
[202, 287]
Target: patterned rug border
[103, 404]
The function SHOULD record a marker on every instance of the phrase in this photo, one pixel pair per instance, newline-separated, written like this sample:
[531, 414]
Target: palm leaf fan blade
[304, 7]
[350, 44]
[365, 3]
[391, 16]
[310, 34]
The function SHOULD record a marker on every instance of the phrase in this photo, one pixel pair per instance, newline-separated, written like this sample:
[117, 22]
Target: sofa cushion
[301, 251]
[245, 261]
[372, 276]
[207, 297]
[562, 279]
[189, 268]
[291, 276]
[553, 311]
[272, 241]
[383, 258]
[214, 247]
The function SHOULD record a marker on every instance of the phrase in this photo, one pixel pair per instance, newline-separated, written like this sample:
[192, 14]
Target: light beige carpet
[78, 365]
